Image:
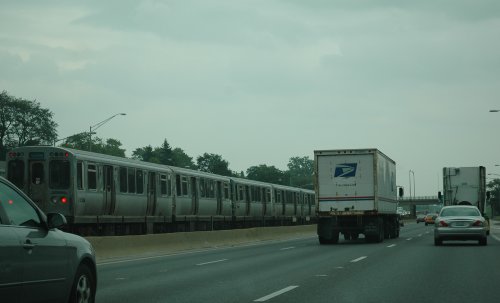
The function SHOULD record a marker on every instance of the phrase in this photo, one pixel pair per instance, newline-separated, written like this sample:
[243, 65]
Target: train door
[247, 200]
[263, 193]
[151, 194]
[109, 190]
[37, 184]
[218, 194]
[194, 195]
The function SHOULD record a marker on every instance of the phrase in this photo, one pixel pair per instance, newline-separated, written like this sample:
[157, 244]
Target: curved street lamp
[96, 126]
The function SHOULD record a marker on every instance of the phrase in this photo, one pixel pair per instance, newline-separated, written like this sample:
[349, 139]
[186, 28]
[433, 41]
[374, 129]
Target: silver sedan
[460, 222]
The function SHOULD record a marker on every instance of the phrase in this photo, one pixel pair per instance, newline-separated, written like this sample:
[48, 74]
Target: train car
[96, 192]
[252, 202]
[202, 200]
[106, 195]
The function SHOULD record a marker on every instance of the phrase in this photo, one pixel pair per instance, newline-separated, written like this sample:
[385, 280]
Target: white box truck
[355, 194]
[465, 186]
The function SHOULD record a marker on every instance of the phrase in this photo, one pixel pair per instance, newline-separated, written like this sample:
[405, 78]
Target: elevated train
[107, 195]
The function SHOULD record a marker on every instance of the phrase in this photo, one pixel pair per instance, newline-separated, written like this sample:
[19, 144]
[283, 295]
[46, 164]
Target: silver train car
[107, 195]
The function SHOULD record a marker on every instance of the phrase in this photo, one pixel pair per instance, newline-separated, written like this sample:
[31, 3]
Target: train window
[184, 186]
[16, 172]
[37, 173]
[123, 179]
[212, 188]
[163, 185]
[79, 175]
[235, 193]
[169, 185]
[208, 188]
[140, 181]
[92, 176]
[241, 192]
[131, 180]
[268, 195]
[203, 188]
[226, 190]
[59, 174]
[178, 185]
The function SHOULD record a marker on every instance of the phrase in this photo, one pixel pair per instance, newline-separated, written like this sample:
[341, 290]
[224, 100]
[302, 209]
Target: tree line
[25, 122]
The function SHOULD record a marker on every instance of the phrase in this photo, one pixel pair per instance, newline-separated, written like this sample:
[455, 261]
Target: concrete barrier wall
[156, 244]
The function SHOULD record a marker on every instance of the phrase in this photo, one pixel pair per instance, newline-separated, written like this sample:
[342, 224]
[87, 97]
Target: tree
[266, 173]
[494, 189]
[214, 164]
[112, 147]
[300, 171]
[146, 154]
[164, 153]
[181, 159]
[24, 122]
[80, 141]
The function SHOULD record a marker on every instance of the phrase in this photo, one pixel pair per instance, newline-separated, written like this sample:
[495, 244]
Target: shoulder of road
[110, 248]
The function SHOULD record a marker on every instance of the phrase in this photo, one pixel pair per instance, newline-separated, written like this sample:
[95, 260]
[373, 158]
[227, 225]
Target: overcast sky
[260, 81]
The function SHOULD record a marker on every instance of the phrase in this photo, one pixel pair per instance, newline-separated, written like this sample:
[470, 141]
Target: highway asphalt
[409, 269]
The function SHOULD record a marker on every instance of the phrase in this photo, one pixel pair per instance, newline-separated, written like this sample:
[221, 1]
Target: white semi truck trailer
[465, 186]
[355, 194]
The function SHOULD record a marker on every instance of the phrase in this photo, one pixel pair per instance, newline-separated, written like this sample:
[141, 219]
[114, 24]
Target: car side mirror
[56, 220]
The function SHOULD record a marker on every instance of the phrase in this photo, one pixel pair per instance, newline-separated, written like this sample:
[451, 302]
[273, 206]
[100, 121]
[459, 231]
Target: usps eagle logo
[346, 170]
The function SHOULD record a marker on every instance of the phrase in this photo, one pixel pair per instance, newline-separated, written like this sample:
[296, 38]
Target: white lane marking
[275, 294]
[196, 251]
[321, 275]
[420, 235]
[409, 239]
[287, 248]
[339, 267]
[392, 245]
[358, 259]
[428, 232]
[121, 279]
[211, 262]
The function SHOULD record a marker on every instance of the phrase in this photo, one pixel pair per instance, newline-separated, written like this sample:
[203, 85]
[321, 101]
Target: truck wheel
[322, 240]
[347, 236]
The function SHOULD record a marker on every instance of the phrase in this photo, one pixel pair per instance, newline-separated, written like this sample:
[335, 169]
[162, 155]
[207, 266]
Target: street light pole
[96, 126]
[409, 181]
[410, 173]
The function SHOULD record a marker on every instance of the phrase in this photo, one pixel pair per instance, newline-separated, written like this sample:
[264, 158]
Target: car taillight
[443, 223]
[478, 223]
[64, 200]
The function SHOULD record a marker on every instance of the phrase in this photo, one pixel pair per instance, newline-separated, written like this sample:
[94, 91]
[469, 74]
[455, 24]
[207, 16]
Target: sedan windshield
[460, 211]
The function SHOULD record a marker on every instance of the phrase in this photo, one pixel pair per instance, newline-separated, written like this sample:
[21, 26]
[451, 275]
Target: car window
[18, 210]
[459, 211]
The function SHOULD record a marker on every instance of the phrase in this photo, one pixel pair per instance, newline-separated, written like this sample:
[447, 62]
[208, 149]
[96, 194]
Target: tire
[347, 236]
[84, 286]
[483, 241]
[438, 242]
[322, 240]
